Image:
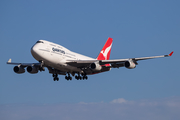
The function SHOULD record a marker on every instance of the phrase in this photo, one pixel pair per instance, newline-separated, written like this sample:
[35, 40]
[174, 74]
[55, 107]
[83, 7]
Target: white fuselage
[56, 56]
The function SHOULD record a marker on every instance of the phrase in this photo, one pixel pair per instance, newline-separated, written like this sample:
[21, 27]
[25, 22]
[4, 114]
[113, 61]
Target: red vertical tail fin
[105, 52]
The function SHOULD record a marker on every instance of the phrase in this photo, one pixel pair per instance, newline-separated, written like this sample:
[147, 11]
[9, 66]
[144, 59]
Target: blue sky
[139, 29]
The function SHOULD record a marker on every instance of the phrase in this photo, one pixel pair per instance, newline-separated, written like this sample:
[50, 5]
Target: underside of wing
[80, 63]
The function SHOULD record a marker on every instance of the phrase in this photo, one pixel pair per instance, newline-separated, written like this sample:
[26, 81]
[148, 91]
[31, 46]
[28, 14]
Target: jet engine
[19, 69]
[130, 64]
[32, 69]
[96, 66]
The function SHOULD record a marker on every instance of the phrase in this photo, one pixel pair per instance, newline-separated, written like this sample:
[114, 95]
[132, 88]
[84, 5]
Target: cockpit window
[39, 42]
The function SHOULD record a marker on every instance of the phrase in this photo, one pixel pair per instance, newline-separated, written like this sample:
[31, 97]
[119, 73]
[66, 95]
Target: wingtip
[171, 53]
[9, 61]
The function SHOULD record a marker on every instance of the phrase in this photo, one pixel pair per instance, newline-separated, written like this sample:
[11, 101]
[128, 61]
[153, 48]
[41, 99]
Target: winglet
[9, 61]
[171, 53]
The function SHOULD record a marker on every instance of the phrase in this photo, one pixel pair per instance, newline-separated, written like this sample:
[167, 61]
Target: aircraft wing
[80, 63]
[116, 63]
[102, 62]
[23, 64]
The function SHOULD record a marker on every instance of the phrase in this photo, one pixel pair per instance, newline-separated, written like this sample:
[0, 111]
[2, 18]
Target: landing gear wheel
[84, 76]
[55, 77]
[68, 78]
[77, 77]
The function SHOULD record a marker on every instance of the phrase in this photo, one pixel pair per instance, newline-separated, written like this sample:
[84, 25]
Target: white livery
[61, 61]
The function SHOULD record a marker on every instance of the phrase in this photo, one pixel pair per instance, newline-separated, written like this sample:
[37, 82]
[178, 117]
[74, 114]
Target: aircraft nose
[34, 51]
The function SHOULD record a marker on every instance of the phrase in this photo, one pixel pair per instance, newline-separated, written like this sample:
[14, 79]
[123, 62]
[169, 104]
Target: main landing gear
[68, 77]
[84, 76]
[55, 77]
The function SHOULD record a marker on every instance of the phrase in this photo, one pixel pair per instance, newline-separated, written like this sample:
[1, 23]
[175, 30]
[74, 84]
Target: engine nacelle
[96, 66]
[129, 64]
[19, 69]
[32, 69]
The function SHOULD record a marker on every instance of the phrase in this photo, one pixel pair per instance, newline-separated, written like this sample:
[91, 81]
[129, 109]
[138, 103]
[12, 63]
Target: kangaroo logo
[106, 51]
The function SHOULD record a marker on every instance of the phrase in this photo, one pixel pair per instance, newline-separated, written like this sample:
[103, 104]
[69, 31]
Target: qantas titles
[58, 50]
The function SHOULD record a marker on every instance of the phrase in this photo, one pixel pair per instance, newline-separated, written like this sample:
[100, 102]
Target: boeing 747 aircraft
[61, 61]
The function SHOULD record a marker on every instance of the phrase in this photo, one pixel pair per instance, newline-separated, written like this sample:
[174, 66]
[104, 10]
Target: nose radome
[34, 51]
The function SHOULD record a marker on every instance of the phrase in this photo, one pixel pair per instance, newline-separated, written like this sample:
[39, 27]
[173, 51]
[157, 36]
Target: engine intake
[130, 64]
[32, 69]
[96, 66]
[19, 69]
